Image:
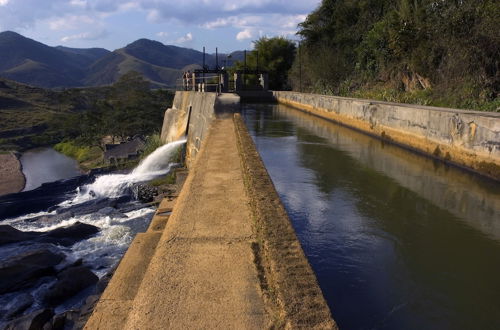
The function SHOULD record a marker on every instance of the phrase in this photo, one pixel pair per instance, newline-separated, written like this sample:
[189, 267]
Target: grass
[153, 142]
[170, 178]
[463, 99]
[87, 157]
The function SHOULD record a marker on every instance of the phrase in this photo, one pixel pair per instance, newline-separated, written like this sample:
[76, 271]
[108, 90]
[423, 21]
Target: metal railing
[204, 83]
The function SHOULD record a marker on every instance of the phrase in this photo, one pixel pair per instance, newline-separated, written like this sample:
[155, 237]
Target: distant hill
[31, 62]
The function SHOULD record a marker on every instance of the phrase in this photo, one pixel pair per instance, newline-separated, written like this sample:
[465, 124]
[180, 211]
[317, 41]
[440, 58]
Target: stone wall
[469, 139]
[193, 112]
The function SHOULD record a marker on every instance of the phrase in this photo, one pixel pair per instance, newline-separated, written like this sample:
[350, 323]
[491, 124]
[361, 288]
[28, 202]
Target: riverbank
[12, 179]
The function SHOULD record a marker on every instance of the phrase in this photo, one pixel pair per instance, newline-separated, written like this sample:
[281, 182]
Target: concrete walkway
[202, 274]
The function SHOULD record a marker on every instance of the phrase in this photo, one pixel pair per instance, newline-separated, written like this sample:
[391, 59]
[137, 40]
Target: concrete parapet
[192, 113]
[112, 310]
[468, 139]
[286, 276]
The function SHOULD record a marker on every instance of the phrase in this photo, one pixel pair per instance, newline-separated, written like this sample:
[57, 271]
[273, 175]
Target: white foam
[114, 185]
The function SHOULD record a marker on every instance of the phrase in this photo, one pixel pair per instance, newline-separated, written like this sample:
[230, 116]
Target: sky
[227, 24]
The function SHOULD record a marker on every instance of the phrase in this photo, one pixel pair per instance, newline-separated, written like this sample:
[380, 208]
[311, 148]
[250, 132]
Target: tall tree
[275, 55]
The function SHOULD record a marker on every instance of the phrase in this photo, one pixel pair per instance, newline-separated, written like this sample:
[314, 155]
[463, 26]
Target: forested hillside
[444, 53]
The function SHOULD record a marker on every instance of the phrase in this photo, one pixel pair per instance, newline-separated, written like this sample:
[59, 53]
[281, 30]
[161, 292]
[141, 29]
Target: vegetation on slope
[79, 119]
[274, 55]
[444, 53]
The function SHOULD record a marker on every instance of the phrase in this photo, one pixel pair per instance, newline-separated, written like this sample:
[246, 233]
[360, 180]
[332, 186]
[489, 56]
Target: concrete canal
[397, 240]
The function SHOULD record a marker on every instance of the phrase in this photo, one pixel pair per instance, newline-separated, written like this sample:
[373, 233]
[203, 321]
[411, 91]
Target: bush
[80, 153]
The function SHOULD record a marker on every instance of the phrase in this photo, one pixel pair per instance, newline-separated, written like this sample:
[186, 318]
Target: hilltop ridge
[31, 62]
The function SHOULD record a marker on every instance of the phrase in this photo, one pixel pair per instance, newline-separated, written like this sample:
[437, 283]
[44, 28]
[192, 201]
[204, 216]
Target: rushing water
[105, 201]
[46, 165]
[397, 241]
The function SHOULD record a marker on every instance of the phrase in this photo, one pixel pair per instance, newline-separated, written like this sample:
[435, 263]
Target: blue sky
[111, 24]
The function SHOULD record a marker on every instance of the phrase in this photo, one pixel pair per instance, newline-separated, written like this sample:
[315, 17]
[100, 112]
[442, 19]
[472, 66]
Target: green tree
[448, 49]
[275, 55]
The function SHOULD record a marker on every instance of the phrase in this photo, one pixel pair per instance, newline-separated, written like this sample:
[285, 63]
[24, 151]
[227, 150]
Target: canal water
[397, 240]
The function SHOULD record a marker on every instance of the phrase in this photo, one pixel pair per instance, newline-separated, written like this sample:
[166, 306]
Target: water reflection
[46, 165]
[397, 240]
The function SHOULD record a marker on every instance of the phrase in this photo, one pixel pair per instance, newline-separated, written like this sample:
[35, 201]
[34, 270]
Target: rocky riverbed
[11, 175]
[60, 243]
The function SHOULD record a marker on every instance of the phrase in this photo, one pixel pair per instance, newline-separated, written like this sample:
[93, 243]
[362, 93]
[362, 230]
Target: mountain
[160, 64]
[85, 56]
[28, 61]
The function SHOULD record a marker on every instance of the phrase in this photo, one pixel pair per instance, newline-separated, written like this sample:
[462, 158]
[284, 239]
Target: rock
[65, 236]
[93, 205]
[110, 212]
[24, 269]
[145, 193]
[19, 304]
[70, 282]
[32, 321]
[52, 219]
[9, 234]
[68, 236]
[65, 320]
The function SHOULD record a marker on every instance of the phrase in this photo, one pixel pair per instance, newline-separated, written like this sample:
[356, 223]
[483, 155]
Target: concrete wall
[197, 110]
[466, 138]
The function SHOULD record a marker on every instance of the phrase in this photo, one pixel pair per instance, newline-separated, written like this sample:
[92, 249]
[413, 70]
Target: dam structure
[318, 212]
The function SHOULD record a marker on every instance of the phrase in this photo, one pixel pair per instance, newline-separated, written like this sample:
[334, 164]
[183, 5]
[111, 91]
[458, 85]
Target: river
[46, 165]
[397, 240]
[105, 201]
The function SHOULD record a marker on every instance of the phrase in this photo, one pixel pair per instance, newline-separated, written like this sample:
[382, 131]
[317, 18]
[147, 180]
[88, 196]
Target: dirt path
[202, 274]
[11, 176]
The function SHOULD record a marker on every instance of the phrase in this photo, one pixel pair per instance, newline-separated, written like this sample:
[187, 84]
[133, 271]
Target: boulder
[53, 219]
[9, 234]
[93, 205]
[32, 321]
[65, 236]
[70, 282]
[66, 320]
[18, 305]
[68, 236]
[24, 269]
[110, 212]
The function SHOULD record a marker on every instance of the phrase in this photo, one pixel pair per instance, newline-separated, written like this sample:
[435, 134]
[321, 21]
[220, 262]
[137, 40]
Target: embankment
[469, 139]
[12, 179]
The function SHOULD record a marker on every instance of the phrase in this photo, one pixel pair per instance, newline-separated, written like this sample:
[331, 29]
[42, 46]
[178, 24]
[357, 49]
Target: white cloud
[71, 22]
[78, 3]
[73, 18]
[85, 36]
[245, 34]
[162, 34]
[185, 39]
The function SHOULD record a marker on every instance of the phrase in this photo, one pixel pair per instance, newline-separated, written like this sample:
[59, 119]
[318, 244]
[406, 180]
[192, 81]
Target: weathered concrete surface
[193, 112]
[112, 310]
[466, 138]
[202, 274]
[286, 276]
[11, 175]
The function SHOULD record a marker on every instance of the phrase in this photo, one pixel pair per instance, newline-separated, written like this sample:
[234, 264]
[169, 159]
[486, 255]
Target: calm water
[397, 241]
[46, 165]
